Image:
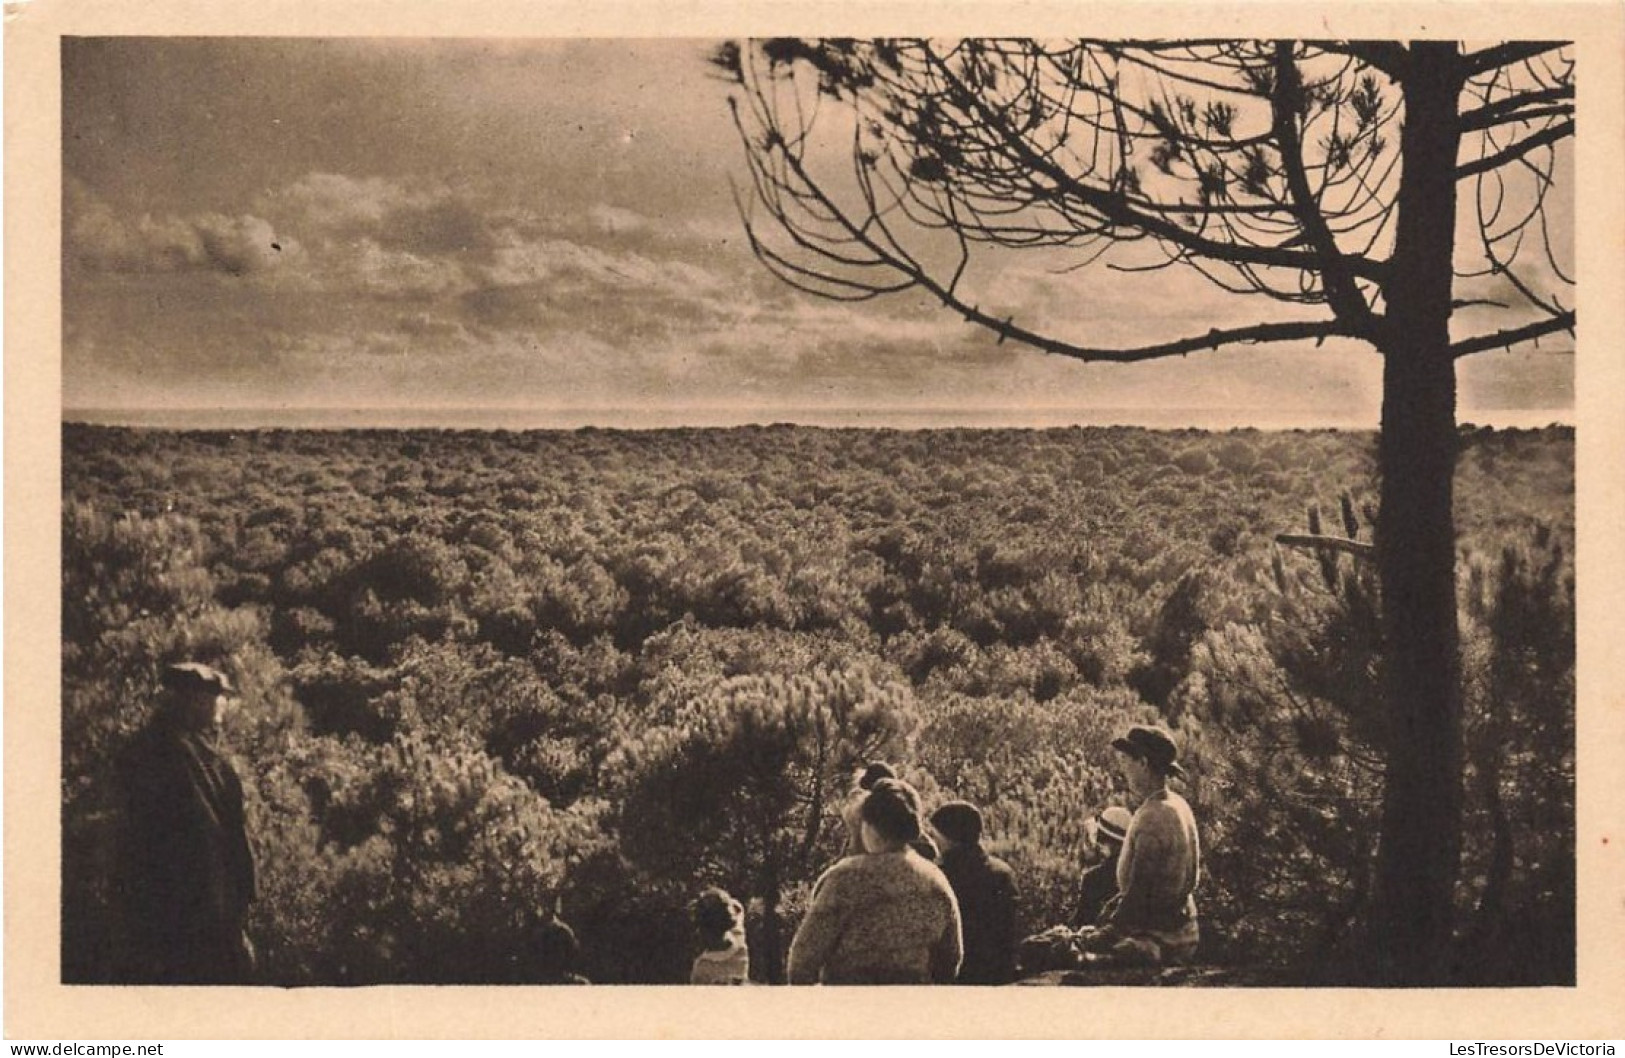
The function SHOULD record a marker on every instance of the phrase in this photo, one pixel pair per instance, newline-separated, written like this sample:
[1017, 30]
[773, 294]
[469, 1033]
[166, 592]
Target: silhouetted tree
[1324, 176]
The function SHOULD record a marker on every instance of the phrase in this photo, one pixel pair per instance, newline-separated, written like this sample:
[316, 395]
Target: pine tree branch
[1512, 336]
[1006, 328]
[1505, 55]
[1119, 213]
[1560, 110]
[1504, 111]
[1309, 542]
[1544, 138]
[1118, 210]
[1383, 56]
[1337, 279]
[1215, 339]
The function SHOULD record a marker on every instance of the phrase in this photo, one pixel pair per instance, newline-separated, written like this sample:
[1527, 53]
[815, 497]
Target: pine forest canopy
[1412, 197]
[486, 673]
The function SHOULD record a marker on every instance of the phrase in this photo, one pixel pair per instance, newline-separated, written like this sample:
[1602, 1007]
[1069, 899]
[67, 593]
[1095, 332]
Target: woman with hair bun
[865, 781]
[888, 917]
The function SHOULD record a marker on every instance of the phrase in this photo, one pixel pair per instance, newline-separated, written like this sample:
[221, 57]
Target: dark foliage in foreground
[491, 675]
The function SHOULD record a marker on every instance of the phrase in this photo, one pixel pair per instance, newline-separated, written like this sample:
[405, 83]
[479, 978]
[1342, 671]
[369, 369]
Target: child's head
[716, 913]
[1111, 829]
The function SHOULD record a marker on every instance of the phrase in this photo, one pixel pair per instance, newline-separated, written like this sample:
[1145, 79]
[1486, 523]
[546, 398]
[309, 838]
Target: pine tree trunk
[1419, 853]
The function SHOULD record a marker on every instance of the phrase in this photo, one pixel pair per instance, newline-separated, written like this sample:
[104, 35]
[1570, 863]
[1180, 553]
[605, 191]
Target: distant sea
[293, 418]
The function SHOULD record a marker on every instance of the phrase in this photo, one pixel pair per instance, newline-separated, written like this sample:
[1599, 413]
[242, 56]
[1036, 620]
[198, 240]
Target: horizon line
[482, 418]
[668, 409]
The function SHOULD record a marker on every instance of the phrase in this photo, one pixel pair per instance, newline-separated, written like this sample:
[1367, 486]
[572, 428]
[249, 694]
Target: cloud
[100, 240]
[446, 226]
[238, 245]
[512, 267]
[371, 269]
[1527, 377]
[574, 266]
[613, 220]
[414, 292]
[429, 326]
[332, 210]
[336, 204]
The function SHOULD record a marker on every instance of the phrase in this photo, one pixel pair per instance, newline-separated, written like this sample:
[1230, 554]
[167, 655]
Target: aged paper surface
[38, 1006]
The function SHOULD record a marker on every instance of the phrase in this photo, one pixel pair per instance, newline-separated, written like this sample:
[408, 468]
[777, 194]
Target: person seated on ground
[1099, 884]
[985, 887]
[866, 779]
[886, 917]
[557, 953]
[724, 958]
[1153, 919]
[1061, 947]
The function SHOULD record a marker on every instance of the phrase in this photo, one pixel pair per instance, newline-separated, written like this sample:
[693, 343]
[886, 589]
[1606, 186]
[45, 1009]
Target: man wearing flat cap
[185, 872]
[1154, 917]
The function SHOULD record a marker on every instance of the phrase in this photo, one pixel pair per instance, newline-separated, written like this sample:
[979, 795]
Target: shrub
[1038, 771]
[437, 866]
[1519, 856]
[1284, 718]
[742, 788]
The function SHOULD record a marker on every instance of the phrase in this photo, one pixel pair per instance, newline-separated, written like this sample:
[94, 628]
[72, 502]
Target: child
[725, 960]
[1099, 884]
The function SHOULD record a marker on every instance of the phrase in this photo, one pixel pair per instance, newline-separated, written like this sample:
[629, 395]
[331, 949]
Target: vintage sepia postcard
[959, 520]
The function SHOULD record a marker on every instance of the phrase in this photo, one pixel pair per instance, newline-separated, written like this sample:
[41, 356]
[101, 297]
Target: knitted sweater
[884, 918]
[729, 965]
[1158, 869]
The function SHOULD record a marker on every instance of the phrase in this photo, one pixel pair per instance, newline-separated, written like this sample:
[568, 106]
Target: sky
[345, 223]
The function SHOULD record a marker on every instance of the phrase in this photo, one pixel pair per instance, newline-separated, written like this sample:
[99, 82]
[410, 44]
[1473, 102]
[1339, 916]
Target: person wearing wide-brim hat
[185, 874]
[1153, 918]
[1098, 886]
